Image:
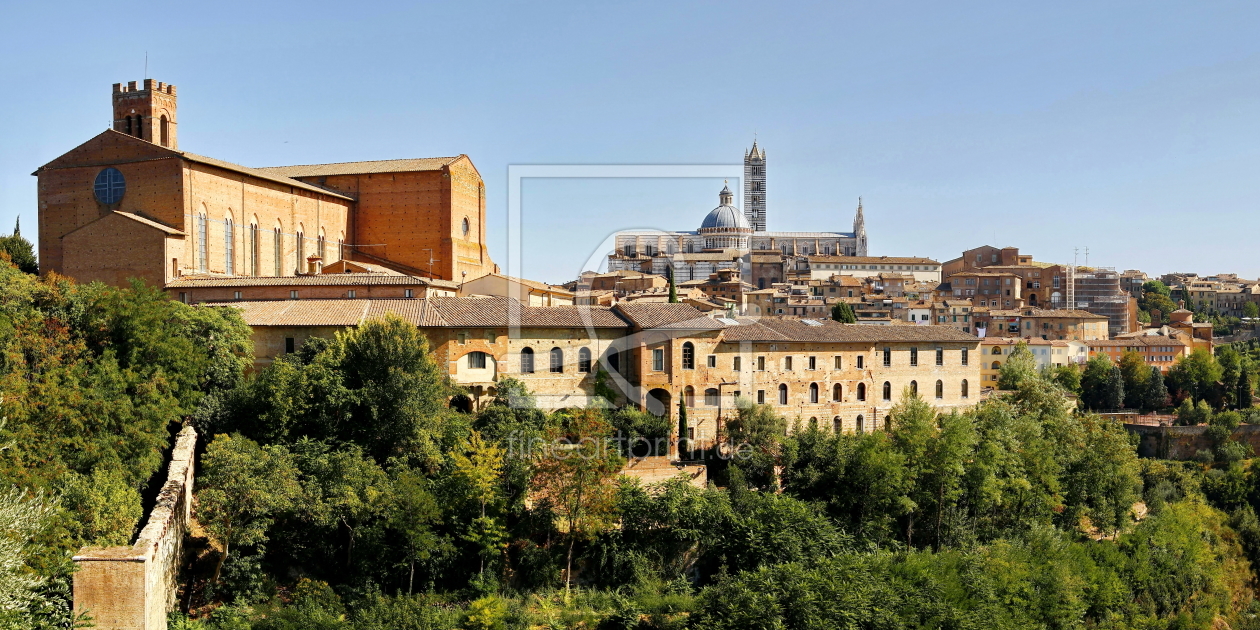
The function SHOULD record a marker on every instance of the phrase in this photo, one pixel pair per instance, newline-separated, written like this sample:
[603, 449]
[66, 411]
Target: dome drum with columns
[727, 236]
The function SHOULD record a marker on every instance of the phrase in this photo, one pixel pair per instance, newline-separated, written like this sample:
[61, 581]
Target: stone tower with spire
[859, 231]
[755, 187]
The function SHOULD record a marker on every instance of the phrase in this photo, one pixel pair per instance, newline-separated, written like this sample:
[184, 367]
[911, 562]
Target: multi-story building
[129, 203]
[1161, 351]
[1057, 353]
[822, 267]
[813, 371]
[314, 286]
[1064, 324]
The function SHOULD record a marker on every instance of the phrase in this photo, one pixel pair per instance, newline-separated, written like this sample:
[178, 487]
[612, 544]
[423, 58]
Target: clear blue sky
[1131, 128]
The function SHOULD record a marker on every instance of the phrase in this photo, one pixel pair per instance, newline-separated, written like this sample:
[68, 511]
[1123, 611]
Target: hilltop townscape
[306, 397]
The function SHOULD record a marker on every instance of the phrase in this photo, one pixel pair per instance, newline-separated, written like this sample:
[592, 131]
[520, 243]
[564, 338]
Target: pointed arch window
[166, 134]
[229, 248]
[252, 250]
[202, 248]
[278, 250]
[299, 252]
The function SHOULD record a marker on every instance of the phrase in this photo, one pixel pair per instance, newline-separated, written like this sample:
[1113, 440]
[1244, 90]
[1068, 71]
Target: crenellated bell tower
[147, 113]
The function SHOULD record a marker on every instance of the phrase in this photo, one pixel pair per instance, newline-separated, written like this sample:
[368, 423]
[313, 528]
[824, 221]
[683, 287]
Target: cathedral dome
[725, 217]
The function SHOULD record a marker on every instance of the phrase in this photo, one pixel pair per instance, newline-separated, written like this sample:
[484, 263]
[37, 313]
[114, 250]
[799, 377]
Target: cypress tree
[1156, 396]
[1243, 391]
[1114, 392]
[673, 289]
[843, 313]
[682, 425]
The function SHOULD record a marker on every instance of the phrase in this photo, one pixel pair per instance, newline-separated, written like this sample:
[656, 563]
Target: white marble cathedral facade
[727, 236]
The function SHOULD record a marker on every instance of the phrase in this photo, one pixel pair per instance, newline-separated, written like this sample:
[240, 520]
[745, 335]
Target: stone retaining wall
[133, 588]
[657, 469]
[1183, 442]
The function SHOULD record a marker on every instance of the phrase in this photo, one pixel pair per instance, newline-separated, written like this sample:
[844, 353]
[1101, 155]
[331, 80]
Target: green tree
[19, 251]
[1242, 391]
[1156, 296]
[756, 435]
[1156, 395]
[23, 517]
[673, 288]
[1066, 376]
[1194, 375]
[843, 313]
[682, 428]
[480, 468]
[1095, 382]
[243, 487]
[1135, 372]
[414, 514]
[1020, 367]
[574, 477]
[343, 490]
[1250, 310]
[1113, 397]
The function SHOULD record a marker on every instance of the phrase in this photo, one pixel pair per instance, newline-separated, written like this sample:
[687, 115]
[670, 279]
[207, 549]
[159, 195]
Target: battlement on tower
[149, 86]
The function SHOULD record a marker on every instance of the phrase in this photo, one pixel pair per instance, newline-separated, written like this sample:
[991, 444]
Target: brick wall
[133, 588]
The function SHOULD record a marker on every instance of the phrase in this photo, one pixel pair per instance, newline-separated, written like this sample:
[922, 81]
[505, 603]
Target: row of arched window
[555, 361]
[837, 391]
[134, 126]
[253, 248]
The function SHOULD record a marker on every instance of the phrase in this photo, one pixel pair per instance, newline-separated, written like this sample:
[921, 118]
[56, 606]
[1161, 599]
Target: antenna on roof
[146, 64]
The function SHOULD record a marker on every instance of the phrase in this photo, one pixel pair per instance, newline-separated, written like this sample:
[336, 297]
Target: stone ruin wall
[133, 588]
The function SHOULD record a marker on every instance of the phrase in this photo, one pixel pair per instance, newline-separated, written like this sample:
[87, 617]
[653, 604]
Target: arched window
[964, 388]
[527, 361]
[229, 248]
[140, 126]
[688, 356]
[887, 390]
[914, 387]
[997, 349]
[319, 246]
[557, 361]
[782, 394]
[278, 248]
[129, 131]
[464, 227]
[584, 360]
[837, 425]
[996, 365]
[202, 249]
[940, 389]
[166, 134]
[689, 396]
[251, 265]
[861, 425]
[299, 252]
[837, 393]
[861, 394]
[477, 360]
[711, 397]
[813, 392]
[341, 249]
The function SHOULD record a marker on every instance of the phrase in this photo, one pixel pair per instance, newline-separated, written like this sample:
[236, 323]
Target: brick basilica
[130, 203]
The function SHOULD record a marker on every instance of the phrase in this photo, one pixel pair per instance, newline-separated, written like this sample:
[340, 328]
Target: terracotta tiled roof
[1037, 312]
[356, 168]
[892, 260]
[647, 315]
[318, 280]
[431, 312]
[261, 174]
[1148, 340]
[787, 329]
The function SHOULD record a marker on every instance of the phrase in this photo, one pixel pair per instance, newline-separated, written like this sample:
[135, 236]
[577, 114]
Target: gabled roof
[362, 168]
[158, 152]
[647, 315]
[429, 312]
[892, 260]
[318, 280]
[826, 330]
[149, 223]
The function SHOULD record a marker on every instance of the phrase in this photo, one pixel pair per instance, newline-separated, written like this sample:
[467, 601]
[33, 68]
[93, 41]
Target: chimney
[1157, 318]
[314, 265]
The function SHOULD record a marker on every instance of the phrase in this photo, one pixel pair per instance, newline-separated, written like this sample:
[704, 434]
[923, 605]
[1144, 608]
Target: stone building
[1064, 324]
[729, 238]
[130, 203]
